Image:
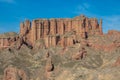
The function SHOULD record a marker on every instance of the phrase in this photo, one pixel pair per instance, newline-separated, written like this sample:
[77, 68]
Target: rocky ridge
[88, 55]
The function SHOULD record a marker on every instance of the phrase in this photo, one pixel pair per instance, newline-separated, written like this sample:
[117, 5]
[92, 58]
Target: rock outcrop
[60, 49]
[112, 38]
[117, 63]
[55, 32]
[8, 39]
[12, 73]
[49, 65]
[80, 55]
[111, 32]
[49, 69]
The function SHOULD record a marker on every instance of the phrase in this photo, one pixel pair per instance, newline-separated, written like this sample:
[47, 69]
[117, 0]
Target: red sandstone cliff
[56, 31]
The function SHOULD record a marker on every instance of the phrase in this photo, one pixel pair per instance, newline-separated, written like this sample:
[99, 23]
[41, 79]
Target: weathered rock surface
[80, 55]
[117, 63]
[56, 31]
[12, 73]
[60, 49]
[49, 65]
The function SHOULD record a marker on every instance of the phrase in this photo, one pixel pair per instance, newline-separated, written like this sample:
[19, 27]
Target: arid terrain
[60, 49]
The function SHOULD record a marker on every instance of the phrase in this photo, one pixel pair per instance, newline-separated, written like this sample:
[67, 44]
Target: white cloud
[8, 1]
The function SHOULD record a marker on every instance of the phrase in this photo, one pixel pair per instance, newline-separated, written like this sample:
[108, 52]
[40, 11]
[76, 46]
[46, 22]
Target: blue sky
[12, 12]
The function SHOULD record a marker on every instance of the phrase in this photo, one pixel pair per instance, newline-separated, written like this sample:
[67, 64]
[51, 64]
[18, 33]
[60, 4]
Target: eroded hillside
[90, 56]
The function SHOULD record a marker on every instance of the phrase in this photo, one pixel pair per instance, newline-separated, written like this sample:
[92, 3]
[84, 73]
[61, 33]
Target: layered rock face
[6, 42]
[63, 49]
[56, 31]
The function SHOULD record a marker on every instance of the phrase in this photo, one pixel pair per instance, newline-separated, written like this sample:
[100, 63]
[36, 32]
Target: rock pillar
[34, 32]
[60, 26]
[100, 27]
[53, 27]
[21, 28]
[69, 25]
[46, 28]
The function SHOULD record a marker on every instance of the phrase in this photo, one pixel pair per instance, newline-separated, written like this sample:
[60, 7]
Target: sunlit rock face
[60, 49]
[56, 31]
